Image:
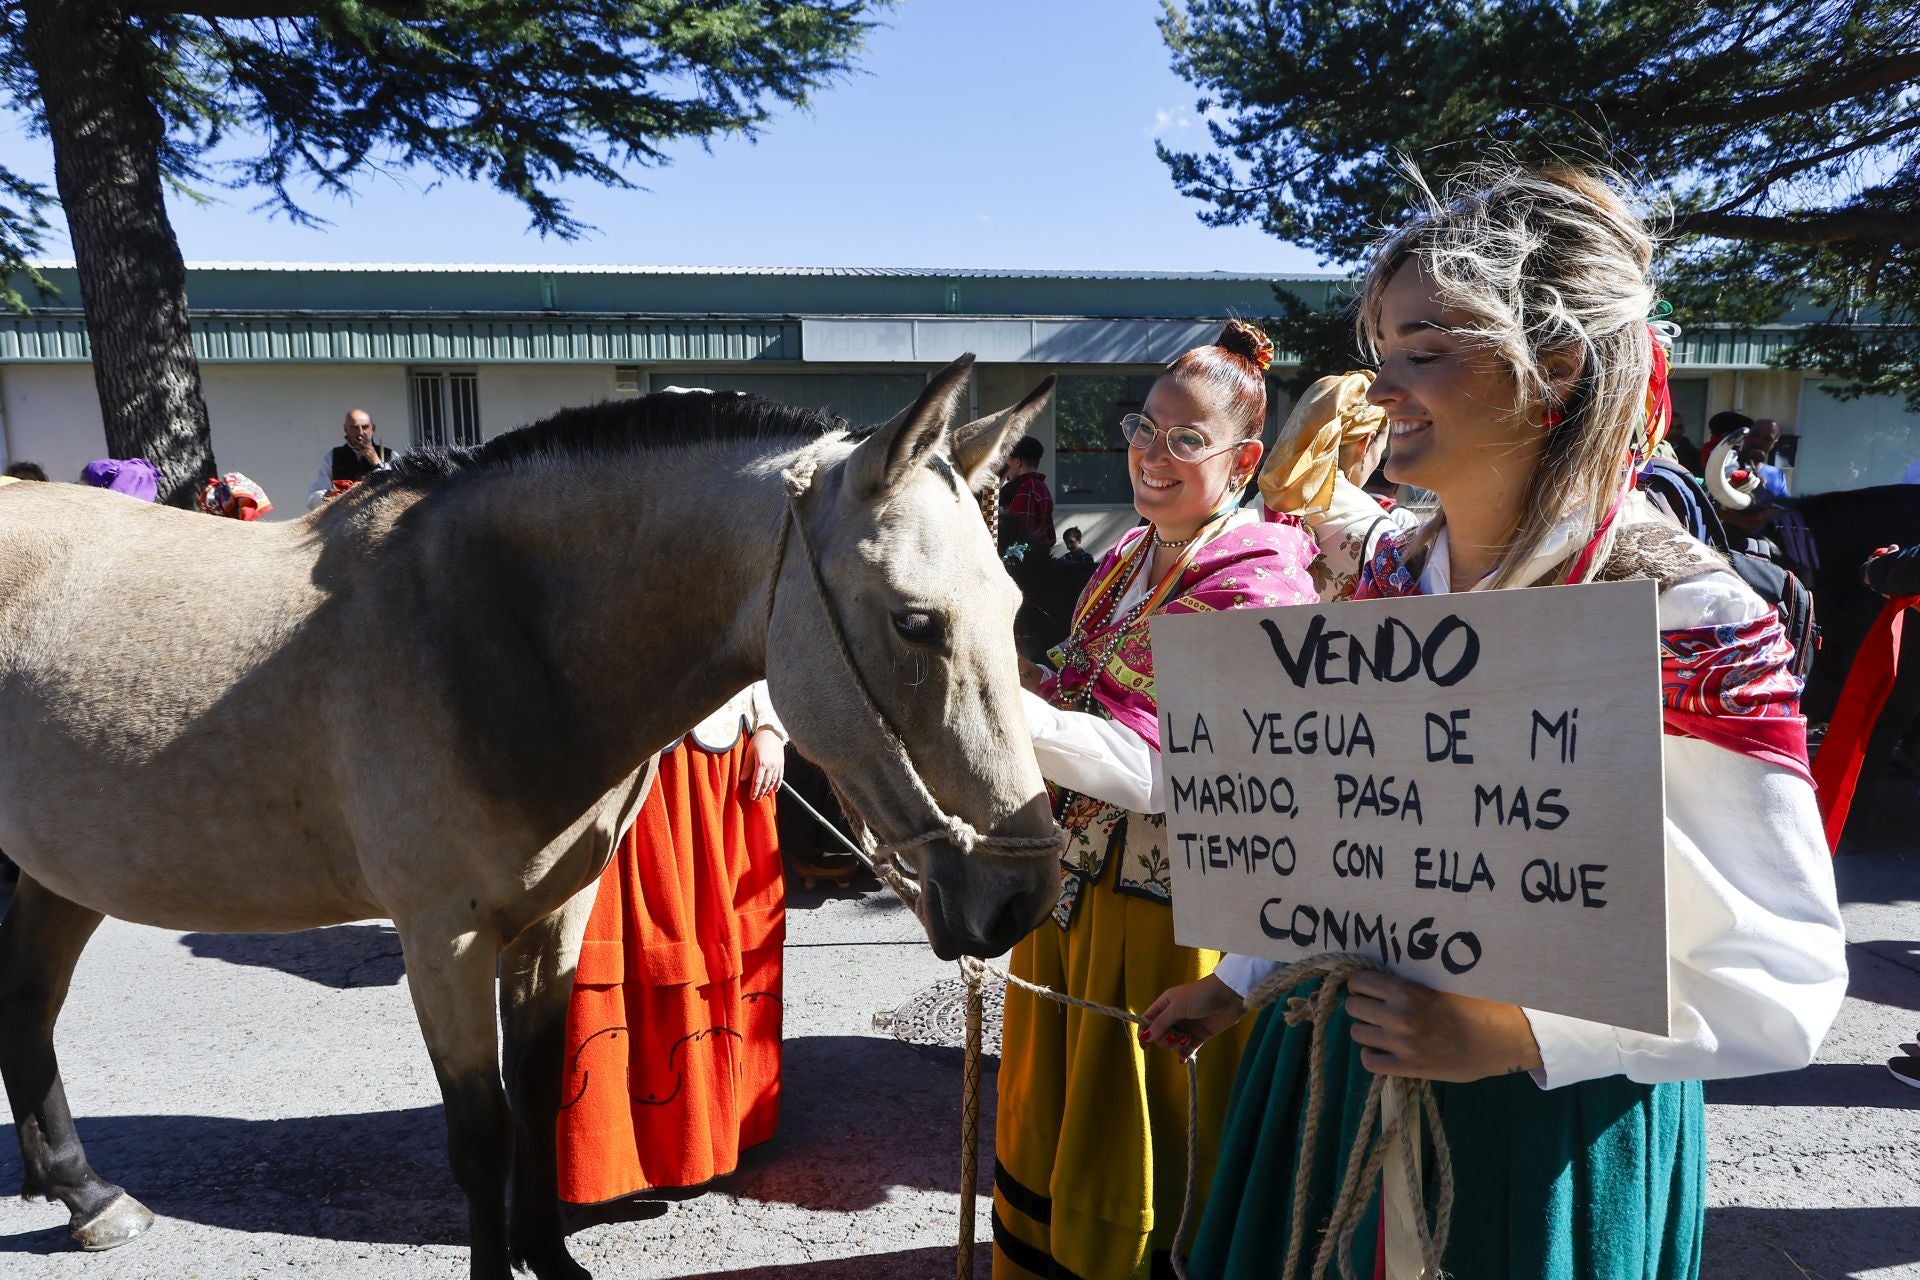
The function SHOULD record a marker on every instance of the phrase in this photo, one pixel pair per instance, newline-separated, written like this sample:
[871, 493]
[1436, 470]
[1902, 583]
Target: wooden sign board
[1466, 788]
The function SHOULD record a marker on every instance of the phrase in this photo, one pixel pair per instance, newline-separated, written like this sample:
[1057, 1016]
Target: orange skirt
[673, 1032]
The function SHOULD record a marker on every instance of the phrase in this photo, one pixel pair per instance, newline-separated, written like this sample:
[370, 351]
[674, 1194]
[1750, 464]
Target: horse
[438, 699]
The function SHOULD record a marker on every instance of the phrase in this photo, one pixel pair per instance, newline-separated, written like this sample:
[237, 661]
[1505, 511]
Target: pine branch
[1829, 227]
[271, 10]
[1811, 94]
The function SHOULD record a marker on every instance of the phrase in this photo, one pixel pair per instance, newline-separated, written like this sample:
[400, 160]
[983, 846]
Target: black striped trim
[1025, 1256]
[1022, 1197]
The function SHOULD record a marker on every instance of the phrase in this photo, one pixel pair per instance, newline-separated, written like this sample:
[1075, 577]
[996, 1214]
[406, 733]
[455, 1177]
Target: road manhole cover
[937, 1016]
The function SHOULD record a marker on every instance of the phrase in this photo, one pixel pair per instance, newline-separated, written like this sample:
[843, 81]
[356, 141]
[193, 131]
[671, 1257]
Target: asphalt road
[269, 1098]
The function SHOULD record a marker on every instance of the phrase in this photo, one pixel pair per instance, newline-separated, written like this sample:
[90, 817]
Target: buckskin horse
[436, 700]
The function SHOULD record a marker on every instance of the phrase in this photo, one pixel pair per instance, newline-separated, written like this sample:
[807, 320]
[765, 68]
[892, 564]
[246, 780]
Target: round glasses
[1188, 444]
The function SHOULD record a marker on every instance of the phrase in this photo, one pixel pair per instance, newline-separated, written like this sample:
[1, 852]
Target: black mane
[663, 420]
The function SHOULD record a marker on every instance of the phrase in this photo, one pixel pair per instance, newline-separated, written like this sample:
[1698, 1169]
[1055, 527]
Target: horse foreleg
[41, 938]
[452, 979]
[536, 981]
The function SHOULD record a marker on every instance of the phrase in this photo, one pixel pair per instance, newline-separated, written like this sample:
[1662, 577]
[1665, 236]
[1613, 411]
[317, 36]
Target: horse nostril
[1012, 922]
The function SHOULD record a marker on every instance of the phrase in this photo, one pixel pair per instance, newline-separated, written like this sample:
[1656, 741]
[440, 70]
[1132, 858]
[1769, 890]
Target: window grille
[445, 405]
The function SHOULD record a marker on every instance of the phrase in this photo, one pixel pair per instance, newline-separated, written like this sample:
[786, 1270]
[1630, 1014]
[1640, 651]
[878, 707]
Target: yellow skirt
[1092, 1128]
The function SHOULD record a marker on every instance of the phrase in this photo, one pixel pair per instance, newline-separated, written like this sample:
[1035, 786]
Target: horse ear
[896, 448]
[982, 444]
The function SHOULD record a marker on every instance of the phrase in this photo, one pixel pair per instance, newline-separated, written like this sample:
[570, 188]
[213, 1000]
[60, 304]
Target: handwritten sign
[1466, 788]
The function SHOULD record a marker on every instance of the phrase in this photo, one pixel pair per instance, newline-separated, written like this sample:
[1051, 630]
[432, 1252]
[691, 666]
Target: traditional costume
[673, 1033]
[1091, 1139]
[1328, 433]
[1594, 1165]
[234, 496]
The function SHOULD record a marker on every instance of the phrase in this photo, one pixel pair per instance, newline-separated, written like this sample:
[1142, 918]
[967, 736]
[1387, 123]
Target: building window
[445, 405]
[1090, 451]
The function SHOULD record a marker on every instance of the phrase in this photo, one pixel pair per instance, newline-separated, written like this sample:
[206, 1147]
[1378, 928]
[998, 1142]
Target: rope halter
[887, 856]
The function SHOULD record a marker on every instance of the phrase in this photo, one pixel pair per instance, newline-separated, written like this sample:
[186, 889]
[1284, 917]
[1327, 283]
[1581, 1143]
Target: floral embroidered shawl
[1731, 684]
[1246, 566]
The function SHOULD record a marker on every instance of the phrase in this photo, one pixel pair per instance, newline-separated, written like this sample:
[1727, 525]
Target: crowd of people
[1520, 383]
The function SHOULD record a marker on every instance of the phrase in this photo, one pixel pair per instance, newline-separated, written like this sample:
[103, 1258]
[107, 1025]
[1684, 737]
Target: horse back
[159, 743]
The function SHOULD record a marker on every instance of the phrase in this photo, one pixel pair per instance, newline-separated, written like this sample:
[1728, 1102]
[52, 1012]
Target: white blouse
[1756, 950]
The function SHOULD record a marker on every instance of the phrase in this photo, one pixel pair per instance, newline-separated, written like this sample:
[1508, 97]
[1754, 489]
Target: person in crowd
[135, 477]
[1075, 553]
[1026, 504]
[1686, 453]
[1329, 448]
[1758, 452]
[26, 471]
[672, 1064]
[1895, 573]
[346, 465]
[1091, 1134]
[1523, 387]
[1723, 424]
[234, 496]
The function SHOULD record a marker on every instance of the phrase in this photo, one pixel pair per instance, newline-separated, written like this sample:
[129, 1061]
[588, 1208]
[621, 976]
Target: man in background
[1026, 515]
[26, 471]
[348, 464]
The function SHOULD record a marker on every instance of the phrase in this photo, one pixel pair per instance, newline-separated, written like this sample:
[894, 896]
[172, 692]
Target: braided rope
[1398, 1134]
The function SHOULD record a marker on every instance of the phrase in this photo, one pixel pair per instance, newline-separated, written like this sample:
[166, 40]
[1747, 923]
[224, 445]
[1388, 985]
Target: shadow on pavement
[343, 956]
[1894, 983]
[1824, 1084]
[379, 1177]
[860, 1116]
[1828, 1244]
[878, 1266]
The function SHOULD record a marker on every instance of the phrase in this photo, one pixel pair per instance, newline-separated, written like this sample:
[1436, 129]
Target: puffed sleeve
[1352, 526]
[762, 713]
[1095, 756]
[1757, 955]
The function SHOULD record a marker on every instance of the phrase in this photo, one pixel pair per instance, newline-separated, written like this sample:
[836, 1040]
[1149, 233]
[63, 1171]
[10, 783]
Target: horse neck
[646, 586]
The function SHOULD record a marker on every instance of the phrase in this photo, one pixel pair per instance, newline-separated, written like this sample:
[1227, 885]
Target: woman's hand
[1185, 1016]
[1405, 1029]
[766, 763]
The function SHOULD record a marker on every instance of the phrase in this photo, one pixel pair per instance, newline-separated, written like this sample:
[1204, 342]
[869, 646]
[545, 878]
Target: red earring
[1549, 419]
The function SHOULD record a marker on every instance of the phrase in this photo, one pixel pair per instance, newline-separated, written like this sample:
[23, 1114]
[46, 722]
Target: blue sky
[973, 133]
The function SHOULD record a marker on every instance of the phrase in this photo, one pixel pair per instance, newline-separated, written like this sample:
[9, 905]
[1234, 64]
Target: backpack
[1680, 493]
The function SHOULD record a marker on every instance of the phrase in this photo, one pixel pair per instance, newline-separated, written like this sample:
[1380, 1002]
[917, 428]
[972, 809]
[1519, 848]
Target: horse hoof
[121, 1220]
[554, 1264]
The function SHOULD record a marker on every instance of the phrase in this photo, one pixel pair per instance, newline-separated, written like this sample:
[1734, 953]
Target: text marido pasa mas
[1384, 817]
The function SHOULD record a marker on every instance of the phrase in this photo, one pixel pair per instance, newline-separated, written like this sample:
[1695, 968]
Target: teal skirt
[1604, 1180]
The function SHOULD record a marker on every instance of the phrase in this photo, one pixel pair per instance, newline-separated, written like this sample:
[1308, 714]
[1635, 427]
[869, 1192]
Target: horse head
[890, 653]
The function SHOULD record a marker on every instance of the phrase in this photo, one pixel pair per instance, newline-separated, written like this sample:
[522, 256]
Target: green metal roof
[333, 337]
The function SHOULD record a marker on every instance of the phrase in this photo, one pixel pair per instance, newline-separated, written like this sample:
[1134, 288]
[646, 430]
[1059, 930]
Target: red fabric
[1029, 510]
[673, 1033]
[1731, 685]
[1836, 771]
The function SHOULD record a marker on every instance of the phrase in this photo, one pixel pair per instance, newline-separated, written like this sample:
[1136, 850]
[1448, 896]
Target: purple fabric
[135, 477]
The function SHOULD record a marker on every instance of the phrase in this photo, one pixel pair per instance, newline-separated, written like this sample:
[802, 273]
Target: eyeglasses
[1188, 444]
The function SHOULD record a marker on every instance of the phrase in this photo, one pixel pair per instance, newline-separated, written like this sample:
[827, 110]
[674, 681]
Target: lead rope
[1369, 1152]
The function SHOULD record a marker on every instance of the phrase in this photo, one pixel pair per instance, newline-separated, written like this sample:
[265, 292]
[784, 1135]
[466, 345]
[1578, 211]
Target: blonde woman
[1523, 387]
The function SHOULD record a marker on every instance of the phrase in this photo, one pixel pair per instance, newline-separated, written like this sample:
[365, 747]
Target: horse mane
[617, 428]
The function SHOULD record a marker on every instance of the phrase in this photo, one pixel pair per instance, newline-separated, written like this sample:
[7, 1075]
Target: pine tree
[133, 95]
[1780, 143]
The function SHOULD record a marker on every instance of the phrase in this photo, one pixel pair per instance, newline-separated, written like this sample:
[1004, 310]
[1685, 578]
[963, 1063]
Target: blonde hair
[1545, 263]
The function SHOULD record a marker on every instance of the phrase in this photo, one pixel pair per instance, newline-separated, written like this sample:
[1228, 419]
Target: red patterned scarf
[1730, 684]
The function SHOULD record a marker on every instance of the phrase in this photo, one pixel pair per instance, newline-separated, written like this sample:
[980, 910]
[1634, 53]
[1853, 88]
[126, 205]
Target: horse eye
[916, 627]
